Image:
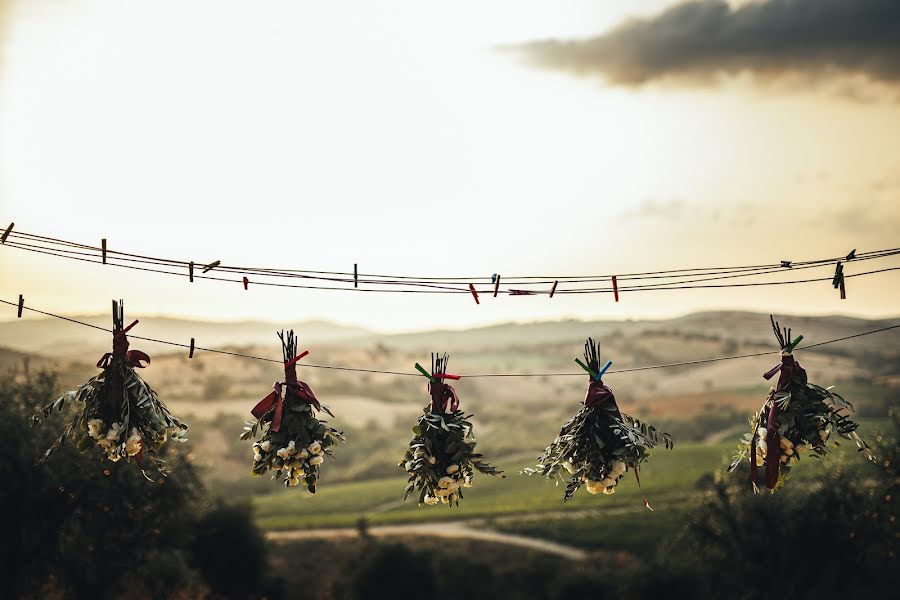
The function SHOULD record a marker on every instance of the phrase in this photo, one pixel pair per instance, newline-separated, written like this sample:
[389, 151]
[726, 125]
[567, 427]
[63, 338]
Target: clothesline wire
[475, 375]
[425, 281]
[442, 289]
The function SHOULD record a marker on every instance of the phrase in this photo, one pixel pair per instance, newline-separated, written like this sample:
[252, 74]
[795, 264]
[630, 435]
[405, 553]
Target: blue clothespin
[590, 371]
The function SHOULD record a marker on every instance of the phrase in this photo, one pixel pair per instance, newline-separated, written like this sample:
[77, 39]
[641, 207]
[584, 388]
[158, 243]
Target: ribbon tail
[104, 360]
[265, 405]
[638, 478]
[136, 358]
[771, 372]
[279, 410]
[453, 399]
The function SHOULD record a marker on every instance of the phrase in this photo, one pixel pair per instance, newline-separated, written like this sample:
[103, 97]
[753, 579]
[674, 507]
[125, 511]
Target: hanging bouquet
[441, 459]
[599, 444]
[294, 441]
[119, 413]
[797, 418]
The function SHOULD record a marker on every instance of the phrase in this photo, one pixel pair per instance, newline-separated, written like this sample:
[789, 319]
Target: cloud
[705, 39]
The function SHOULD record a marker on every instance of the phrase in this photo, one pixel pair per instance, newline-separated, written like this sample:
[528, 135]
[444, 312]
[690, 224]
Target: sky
[448, 138]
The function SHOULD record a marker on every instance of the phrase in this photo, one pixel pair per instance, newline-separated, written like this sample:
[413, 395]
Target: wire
[628, 282]
[432, 288]
[475, 375]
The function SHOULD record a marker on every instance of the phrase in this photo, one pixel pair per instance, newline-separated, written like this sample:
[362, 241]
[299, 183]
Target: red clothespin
[615, 288]
[843, 289]
[553, 289]
[191, 352]
[191, 271]
[6, 233]
[474, 293]
[246, 282]
[496, 280]
[103, 249]
[211, 266]
[21, 305]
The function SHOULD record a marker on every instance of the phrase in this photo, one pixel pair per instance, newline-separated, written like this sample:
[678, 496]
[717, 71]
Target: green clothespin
[790, 347]
[586, 368]
[424, 372]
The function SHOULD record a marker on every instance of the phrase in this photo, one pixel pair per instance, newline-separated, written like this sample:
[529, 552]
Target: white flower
[431, 500]
[303, 453]
[445, 482]
[452, 469]
[595, 487]
[115, 430]
[317, 460]
[282, 453]
[408, 466]
[295, 481]
[442, 492]
[113, 456]
[788, 451]
[619, 467]
[315, 448]
[257, 457]
[432, 460]
[133, 443]
[95, 428]
[266, 446]
[763, 447]
[786, 443]
[801, 448]
[761, 433]
[454, 486]
[467, 483]
[609, 490]
[760, 460]
[608, 481]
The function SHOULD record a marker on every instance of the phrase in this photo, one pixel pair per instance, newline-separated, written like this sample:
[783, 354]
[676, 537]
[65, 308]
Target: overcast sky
[448, 138]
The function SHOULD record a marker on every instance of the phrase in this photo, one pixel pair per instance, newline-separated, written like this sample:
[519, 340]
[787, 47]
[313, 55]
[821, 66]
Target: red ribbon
[598, 393]
[443, 395]
[295, 388]
[135, 358]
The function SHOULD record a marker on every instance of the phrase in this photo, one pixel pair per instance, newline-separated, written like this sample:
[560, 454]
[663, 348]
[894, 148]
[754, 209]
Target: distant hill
[58, 339]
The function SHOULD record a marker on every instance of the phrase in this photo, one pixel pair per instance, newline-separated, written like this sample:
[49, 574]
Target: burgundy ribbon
[786, 371]
[135, 358]
[295, 387]
[443, 395]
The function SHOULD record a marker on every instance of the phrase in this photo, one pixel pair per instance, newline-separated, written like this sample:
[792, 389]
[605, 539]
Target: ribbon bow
[135, 358]
[598, 393]
[443, 394]
[295, 387]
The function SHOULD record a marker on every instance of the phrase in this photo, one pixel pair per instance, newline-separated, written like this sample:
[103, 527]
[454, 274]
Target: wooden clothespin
[6, 233]
[191, 352]
[103, 249]
[615, 285]
[474, 293]
[553, 289]
[21, 305]
[211, 266]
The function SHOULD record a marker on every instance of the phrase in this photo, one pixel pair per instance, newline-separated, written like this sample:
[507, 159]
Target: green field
[669, 479]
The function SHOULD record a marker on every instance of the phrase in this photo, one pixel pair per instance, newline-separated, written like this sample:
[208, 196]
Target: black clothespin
[103, 249]
[838, 280]
[553, 289]
[191, 353]
[191, 271]
[212, 266]
[852, 255]
[355, 275]
[21, 305]
[246, 282]
[6, 233]
[495, 279]
[786, 264]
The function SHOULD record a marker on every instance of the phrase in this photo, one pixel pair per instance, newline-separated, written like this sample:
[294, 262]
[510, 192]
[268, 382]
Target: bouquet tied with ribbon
[599, 444]
[797, 418]
[294, 441]
[120, 413]
[441, 458]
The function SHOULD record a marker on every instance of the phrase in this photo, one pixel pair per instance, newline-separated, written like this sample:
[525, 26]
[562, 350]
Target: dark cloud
[701, 40]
